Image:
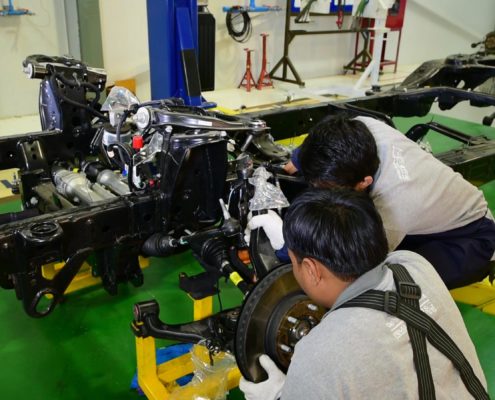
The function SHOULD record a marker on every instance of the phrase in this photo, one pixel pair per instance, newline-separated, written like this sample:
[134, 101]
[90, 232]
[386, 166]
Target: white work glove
[271, 224]
[266, 390]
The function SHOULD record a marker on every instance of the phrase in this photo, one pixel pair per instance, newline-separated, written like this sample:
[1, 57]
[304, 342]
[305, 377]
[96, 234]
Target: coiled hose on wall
[232, 19]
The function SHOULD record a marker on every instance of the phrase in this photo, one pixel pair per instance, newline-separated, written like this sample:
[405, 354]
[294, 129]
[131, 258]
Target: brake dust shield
[274, 317]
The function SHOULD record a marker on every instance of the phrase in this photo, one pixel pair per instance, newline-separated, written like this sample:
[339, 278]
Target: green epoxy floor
[85, 349]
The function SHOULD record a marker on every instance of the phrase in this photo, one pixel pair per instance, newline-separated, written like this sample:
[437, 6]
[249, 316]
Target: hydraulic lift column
[173, 44]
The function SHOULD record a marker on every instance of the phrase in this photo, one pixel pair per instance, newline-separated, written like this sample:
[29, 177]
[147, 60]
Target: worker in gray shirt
[426, 207]
[338, 250]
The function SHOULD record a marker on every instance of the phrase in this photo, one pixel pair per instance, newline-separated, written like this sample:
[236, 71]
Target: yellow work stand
[481, 295]
[84, 277]
[6, 177]
[158, 382]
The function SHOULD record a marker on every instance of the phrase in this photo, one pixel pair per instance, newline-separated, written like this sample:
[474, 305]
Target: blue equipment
[251, 8]
[173, 45]
[10, 10]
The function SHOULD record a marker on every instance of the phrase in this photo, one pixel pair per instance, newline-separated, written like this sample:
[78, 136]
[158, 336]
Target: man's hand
[266, 390]
[271, 224]
[290, 168]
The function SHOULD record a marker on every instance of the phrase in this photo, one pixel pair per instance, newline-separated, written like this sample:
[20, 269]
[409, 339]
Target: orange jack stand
[247, 79]
[264, 80]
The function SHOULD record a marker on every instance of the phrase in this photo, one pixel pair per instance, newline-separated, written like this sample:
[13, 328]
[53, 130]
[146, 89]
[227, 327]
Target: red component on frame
[137, 142]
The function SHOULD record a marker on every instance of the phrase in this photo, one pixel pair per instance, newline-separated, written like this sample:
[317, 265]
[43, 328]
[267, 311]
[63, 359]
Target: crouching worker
[425, 206]
[392, 330]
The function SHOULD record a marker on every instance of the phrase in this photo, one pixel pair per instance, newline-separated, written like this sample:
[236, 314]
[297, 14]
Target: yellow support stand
[148, 379]
[202, 308]
[158, 382]
[480, 295]
[84, 277]
[6, 194]
[294, 141]
[489, 308]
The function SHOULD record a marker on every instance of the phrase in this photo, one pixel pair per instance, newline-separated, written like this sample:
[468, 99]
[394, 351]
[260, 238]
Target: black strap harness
[404, 304]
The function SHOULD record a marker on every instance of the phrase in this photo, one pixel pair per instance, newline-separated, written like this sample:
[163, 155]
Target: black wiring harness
[234, 15]
[91, 108]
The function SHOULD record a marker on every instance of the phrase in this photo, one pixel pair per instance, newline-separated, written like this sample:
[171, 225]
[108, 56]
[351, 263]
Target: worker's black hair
[338, 227]
[338, 151]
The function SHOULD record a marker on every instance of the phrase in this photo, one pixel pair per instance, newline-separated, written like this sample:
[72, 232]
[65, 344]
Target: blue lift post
[173, 47]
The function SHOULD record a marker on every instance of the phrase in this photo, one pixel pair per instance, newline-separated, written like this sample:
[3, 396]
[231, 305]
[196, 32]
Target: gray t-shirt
[359, 353]
[414, 192]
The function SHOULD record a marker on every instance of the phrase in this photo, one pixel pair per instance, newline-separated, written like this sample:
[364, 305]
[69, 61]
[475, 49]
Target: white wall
[436, 29]
[128, 56]
[20, 36]
[433, 29]
[312, 56]
[124, 35]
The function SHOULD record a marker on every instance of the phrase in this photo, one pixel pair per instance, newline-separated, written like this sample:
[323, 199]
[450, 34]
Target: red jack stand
[264, 80]
[247, 79]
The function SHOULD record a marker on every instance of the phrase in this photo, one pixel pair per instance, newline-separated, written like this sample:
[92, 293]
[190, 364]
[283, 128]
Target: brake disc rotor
[274, 317]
